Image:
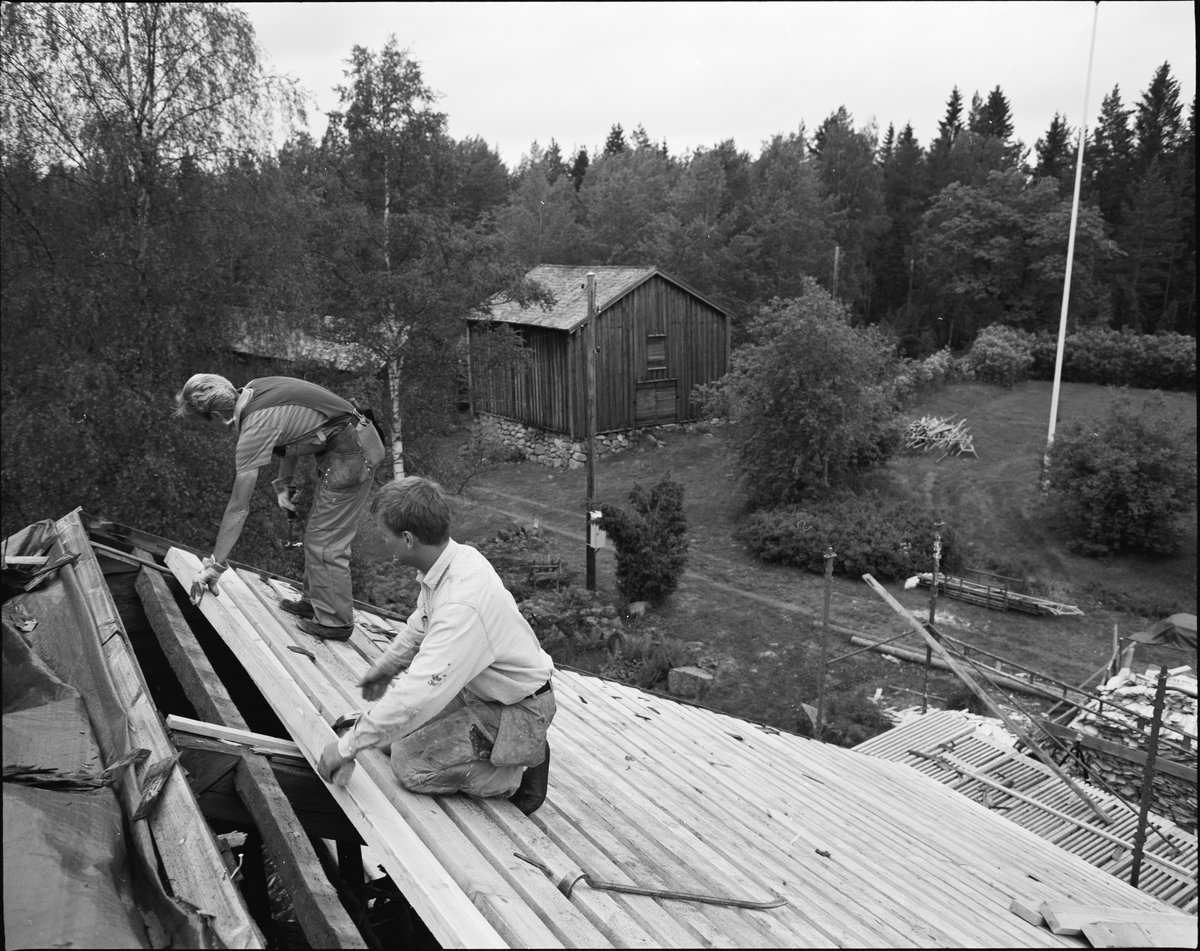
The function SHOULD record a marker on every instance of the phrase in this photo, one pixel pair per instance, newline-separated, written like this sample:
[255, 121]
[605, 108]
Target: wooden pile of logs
[999, 597]
[930, 432]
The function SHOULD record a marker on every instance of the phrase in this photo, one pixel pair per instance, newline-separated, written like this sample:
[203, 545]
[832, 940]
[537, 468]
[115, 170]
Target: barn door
[657, 402]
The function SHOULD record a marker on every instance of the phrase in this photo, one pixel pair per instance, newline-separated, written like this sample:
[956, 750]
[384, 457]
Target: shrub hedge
[1119, 358]
[1001, 354]
[888, 539]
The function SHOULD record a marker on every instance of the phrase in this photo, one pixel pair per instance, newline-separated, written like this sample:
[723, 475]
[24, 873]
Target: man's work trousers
[338, 504]
[453, 752]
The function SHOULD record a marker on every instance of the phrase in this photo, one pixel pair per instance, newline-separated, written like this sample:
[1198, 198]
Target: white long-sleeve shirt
[465, 632]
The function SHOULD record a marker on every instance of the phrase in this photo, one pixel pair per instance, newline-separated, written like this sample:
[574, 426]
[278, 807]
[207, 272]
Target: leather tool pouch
[521, 738]
[344, 464]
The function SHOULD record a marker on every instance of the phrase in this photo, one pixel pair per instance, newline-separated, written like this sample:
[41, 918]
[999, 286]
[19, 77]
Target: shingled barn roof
[568, 284]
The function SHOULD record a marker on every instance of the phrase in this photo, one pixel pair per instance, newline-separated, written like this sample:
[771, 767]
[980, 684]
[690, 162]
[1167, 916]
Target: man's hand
[206, 580]
[374, 685]
[333, 767]
[283, 496]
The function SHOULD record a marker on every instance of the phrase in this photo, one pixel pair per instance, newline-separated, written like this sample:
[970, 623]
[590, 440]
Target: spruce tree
[1054, 154]
[1158, 120]
[554, 162]
[1108, 158]
[615, 143]
[579, 168]
[997, 116]
[951, 125]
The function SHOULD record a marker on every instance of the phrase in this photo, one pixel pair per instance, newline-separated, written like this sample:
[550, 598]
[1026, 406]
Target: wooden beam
[1128, 753]
[1177, 932]
[943, 760]
[247, 741]
[966, 678]
[441, 903]
[206, 761]
[186, 846]
[318, 910]
[1069, 918]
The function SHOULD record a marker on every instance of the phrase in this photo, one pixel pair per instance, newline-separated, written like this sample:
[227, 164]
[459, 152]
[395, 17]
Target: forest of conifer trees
[145, 207]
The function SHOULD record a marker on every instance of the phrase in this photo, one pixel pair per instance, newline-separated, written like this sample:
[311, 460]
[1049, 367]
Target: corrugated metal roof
[648, 792]
[568, 284]
[1056, 814]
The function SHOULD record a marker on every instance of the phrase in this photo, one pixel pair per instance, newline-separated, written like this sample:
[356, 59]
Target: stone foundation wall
[561, 452]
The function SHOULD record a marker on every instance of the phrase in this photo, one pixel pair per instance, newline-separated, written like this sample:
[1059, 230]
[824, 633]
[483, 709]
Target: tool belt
[354, 450]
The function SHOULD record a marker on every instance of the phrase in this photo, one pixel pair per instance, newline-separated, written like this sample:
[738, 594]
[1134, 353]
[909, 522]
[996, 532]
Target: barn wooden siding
[552, 392]
[696, 351]
[538, 396]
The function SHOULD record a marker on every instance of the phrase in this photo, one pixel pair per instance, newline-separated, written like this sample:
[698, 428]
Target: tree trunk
[395, 365]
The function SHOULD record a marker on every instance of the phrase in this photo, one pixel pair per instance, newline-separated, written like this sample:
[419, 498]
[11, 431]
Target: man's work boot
[298, 607]
[324, 631]
[532, 791]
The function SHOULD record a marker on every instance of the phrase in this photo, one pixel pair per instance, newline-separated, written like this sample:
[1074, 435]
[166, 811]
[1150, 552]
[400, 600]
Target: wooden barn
[656, 338]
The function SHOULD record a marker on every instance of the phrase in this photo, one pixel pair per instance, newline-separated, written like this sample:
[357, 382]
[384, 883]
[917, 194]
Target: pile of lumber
[995, 596]
[930, 432]
[1107, 927]
[1115, 730]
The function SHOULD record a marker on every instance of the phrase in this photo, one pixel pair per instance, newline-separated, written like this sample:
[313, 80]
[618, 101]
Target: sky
[695, 74]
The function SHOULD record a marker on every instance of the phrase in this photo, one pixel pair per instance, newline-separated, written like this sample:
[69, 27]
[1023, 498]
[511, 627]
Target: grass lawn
[759, 624]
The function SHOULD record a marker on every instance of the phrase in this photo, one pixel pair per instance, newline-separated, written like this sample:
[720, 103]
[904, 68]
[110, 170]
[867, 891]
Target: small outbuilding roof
[568, 284]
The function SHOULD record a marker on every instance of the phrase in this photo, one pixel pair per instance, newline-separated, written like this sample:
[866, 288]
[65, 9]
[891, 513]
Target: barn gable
[656, 338]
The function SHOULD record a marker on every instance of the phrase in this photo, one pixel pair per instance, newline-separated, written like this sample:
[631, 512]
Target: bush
[650, 541]
[916, 378]
[889, 540]
[1119, 358]
[1124, 481]
[1002, 355]
[850, 718]
[645, 660]
[811, 397]
[454, 468]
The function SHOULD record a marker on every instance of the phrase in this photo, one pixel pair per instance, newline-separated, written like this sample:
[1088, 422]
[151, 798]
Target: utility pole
[837, 251]
[589, 342]
[1066, 295]
[830, 554]
[933, 591]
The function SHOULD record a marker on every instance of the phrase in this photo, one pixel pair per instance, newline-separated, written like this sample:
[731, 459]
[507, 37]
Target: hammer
[292, 515]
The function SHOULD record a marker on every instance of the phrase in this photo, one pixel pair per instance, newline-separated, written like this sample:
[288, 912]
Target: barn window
[656, 351]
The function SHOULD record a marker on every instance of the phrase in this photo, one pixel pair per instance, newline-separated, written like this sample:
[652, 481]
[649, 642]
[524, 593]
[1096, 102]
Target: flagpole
[1066, 296]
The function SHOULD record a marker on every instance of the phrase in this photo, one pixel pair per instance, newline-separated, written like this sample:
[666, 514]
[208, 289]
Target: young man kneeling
[472, 700]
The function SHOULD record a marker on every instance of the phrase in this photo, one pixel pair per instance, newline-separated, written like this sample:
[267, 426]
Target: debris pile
[1000, 597]
[1173, 796]
[950, 438]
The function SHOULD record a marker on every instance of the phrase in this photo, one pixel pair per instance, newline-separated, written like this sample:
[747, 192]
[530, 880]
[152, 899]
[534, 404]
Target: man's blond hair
[205, 394]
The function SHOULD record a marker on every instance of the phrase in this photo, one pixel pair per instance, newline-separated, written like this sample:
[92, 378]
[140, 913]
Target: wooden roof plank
[440, 901]
[829, 886]
[879, 833]
[592, 847]
[462, 858]
[569, 925]
[681, 861]
[615, 920]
